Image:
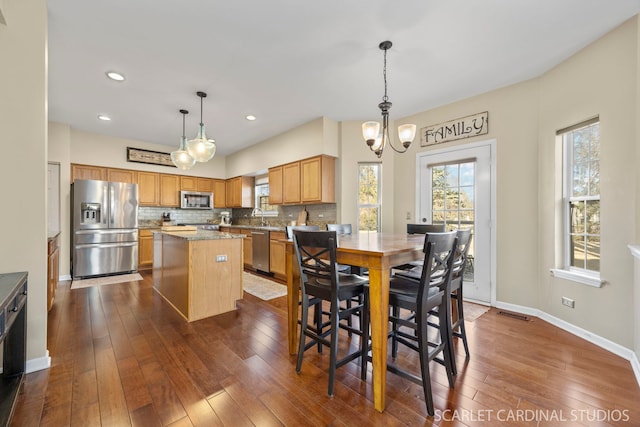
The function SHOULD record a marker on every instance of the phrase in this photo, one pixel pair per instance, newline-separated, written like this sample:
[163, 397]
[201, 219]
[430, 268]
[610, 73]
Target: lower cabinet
[145, 249]
[53, 269]
[277, 254]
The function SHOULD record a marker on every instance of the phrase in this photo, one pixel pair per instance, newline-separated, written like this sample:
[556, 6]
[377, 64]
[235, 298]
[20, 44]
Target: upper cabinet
[122, 175]
[317, 180]
[170, 190]
[88, 172]
[310, 180]
[219, 193]
[149, 188]
[188, 183]
[290, 183]
[205, 184]
[239, 192]
[275, 186]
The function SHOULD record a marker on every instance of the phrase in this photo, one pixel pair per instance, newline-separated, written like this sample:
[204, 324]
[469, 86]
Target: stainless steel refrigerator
[105, 228]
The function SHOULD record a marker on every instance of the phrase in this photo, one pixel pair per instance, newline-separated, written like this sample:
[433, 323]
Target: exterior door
[455, 189]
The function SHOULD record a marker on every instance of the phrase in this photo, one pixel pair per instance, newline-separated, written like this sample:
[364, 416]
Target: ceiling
[290, 61]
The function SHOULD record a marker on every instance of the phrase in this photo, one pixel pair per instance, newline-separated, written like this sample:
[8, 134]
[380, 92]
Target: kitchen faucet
[261, 212]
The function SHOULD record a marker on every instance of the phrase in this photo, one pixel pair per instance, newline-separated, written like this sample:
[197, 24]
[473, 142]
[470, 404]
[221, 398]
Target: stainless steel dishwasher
[260, 242]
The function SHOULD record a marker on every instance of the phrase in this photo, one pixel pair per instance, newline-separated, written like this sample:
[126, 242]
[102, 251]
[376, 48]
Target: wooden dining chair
[411, 305]
[320, 282]
[418, 229]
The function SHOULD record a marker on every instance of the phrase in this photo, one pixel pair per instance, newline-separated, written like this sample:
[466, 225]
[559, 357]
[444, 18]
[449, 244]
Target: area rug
[473, 311]
[108, 280]
[261, 287]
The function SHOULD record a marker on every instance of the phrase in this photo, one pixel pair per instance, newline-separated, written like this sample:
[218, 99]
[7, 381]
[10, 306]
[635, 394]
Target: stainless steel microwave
[196, 200]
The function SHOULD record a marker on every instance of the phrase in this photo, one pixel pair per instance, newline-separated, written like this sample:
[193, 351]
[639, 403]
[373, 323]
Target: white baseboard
[601, 342]
[65, 277]
[38, 364]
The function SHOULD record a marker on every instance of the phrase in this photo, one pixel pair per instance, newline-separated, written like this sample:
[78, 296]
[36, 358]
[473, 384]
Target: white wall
[600, 80]
[23, 127]
[319, 136]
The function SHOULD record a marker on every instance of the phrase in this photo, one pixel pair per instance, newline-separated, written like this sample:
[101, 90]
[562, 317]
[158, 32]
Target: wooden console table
[13, 316]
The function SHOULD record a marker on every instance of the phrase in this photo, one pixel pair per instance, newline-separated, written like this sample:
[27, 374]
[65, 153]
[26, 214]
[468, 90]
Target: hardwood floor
[121, 356]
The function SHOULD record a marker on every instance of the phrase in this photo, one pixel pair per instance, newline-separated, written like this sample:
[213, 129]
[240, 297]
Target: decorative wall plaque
[464, 127]
[139, 155]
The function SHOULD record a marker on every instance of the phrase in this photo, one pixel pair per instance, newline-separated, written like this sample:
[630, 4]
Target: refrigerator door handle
[111, 206]
[111, 231]
[106, 245]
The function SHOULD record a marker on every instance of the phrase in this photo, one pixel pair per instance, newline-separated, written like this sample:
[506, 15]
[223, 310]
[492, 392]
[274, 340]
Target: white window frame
[369, 205]
[569, 272]
[260, 183]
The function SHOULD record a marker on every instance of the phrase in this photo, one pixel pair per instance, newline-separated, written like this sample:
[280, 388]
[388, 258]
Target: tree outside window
[369, 200]
[582, 196]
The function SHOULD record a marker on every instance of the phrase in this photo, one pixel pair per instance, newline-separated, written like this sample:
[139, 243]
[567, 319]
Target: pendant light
[377, 140]
[181, 157]
[201, 148]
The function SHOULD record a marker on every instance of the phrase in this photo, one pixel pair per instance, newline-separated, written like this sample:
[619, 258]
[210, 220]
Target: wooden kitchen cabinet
[170, 191]
[53, 269]
[275, 185]
[148, 189]
[290, 183]
[219, 193]
[205, 185]
[277, 254]
[188, 183]
[122, 175]
[317, 180]
[239, 192]
[88, 172]
[145, 248]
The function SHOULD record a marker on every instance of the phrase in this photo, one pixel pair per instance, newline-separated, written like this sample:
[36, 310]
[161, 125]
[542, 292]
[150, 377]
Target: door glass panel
[452, 201]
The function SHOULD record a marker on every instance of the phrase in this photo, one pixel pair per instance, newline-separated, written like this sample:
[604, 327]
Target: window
[581, 199]
[262, 200]
[369, 198]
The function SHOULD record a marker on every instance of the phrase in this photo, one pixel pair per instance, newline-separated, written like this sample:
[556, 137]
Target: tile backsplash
[148, 216]
[320, 214]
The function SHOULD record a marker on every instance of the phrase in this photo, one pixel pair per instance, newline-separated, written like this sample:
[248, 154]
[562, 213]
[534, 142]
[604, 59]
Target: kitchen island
[198, 272]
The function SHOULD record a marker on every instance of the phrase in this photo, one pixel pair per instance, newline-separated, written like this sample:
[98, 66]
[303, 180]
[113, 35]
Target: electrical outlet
[320, 215]
[221, 258]
[568, 302]
[408, 215]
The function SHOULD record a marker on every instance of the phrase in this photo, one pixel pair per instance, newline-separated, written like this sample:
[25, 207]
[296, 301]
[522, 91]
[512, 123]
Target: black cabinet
[13, 317]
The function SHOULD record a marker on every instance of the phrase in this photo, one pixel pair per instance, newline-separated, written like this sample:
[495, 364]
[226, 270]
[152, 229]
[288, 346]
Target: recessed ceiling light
[250, 117]
[104, 118]
[115, 76]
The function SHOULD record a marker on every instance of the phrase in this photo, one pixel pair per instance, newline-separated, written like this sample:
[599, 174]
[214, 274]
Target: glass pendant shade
[407, 133]
[181, 157]
[201, 148]
[370, 131]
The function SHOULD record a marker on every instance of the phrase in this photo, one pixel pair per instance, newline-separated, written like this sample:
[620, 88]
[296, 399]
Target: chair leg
[447, 340]
[317, 314]
[364, 338]
[423, 350]
[334, 345]
[463, 330]
[303, 328]
[395, 313]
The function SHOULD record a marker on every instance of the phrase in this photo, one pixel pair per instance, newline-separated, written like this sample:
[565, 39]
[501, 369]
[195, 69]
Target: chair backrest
[424, 228]
[290, 228]
[316, 253]
[460, 260]
[340, 229]
[439, 250]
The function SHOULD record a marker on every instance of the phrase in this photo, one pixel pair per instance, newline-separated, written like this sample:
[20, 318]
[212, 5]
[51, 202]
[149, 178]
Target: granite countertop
[202, 235]
[256, 227]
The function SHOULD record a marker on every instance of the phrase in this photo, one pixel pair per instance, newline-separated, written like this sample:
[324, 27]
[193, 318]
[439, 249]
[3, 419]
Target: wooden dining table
[378, 252]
